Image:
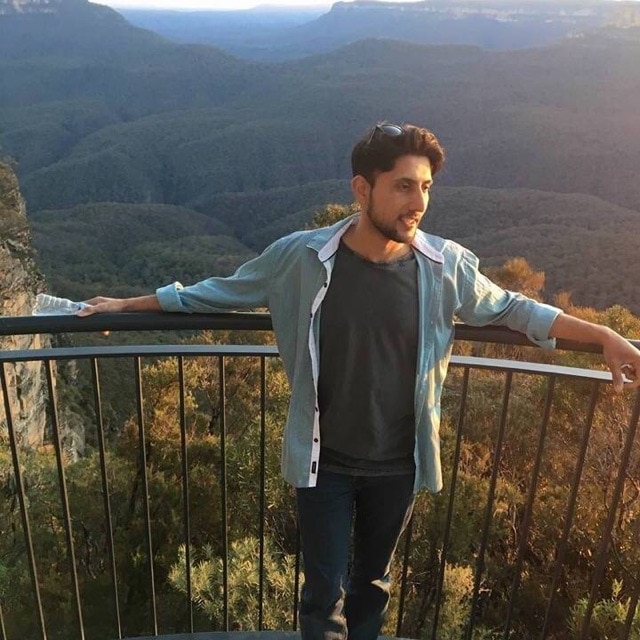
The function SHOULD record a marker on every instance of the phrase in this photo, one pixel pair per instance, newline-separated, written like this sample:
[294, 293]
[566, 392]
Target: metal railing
[426, 600]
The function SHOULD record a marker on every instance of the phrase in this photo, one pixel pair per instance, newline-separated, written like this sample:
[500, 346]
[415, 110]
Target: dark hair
[378, 150]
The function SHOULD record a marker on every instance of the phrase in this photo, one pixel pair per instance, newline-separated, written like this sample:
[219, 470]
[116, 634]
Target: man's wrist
[139, 304]
[607, 335]
[599, 334]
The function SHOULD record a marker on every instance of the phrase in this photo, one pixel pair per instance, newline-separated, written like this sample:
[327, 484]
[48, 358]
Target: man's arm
[120, 305]
[621, 357]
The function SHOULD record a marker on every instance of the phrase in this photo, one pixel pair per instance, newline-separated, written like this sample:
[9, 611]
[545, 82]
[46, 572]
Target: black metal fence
[535, 534]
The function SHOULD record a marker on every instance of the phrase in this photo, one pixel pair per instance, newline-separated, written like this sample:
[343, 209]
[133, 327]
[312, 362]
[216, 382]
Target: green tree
[608, 617]
[243, 584]
[332, 213]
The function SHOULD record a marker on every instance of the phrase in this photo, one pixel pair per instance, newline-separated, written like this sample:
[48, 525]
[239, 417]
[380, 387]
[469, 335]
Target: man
[363, 312]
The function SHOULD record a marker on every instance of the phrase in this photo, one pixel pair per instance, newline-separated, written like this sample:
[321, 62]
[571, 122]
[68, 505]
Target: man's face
[399, 198]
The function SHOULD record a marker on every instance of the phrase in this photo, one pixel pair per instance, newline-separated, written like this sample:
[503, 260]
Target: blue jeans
[333, 602]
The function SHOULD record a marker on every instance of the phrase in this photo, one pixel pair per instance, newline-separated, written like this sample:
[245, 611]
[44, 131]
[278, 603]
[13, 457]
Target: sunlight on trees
[478, 457]
[243, 584]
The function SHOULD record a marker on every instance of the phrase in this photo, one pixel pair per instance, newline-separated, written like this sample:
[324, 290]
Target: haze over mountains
[269, 34]
[543, 143]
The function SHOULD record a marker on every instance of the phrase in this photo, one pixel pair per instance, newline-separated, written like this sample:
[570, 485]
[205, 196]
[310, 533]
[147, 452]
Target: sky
[214, 4]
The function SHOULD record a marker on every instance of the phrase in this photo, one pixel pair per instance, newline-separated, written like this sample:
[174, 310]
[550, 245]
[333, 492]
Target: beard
[393, 230]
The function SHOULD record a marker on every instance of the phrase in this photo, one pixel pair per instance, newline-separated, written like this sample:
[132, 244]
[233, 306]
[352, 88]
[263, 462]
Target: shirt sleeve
[247, 288]
[483, 302]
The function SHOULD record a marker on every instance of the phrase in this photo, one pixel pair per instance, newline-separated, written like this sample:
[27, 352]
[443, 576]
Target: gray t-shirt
[368, 353]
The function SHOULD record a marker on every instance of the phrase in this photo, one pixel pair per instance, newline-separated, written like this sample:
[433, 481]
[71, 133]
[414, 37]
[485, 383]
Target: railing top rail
[128, 351]
[516, 366]
[124, 351]
[30, 325]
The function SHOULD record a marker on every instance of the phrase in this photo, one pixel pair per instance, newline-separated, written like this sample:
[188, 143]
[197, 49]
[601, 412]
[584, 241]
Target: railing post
[452, 491]
[571, 507]
[263, 426]
[185, 488]
[105, 490]
[405, 566]
[3, 630]
[486, 527]
[533, 485]
[142, 443]
[225, 519]
[26, 528]
[635, 594]
[296, 582]
[64, 497]
[606, 535]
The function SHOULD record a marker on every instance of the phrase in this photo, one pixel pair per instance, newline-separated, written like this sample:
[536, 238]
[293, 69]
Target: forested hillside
[129, 249]
[94, 110]
[146, 161]
[584, 245]
[578, 240]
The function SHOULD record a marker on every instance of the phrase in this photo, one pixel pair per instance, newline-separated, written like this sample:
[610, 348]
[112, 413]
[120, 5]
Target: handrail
[136, 350]
[31, 325]
[172, 350]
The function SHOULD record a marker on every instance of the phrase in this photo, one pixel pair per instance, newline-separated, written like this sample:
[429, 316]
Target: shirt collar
[326, 242]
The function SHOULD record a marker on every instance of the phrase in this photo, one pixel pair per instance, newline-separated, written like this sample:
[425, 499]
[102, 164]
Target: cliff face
[581, 13]
[19, 281]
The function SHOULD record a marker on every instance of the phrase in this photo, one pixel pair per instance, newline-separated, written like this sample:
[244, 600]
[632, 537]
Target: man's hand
[622, 358]
[101, 305]
[120, 305]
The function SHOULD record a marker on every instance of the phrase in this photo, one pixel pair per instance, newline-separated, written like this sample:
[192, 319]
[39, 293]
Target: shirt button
[316, 440]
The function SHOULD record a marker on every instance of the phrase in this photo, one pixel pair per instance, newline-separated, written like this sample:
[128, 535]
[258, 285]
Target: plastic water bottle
[47, 305]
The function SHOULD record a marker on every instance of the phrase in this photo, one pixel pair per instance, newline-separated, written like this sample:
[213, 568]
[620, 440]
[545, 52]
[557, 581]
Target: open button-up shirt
[291, 278]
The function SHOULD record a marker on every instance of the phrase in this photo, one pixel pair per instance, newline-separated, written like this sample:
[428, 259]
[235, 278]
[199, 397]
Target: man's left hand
[623, 359]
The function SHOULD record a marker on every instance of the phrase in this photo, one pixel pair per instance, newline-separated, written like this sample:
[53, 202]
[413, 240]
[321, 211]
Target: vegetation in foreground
[515, 535]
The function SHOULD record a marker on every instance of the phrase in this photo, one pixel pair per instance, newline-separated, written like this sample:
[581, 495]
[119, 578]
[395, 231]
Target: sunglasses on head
[387, 129]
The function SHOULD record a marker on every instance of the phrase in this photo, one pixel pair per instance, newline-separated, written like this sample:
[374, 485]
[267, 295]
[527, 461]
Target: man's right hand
[119, 305]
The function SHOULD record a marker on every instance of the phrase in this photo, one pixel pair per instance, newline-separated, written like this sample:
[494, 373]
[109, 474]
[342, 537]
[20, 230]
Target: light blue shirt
[291, 278]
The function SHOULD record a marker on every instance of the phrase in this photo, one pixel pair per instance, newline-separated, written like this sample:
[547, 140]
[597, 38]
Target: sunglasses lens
[392, 130]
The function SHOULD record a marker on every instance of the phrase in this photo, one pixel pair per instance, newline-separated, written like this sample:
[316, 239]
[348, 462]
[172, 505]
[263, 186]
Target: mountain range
[110, 125]
[267, 35]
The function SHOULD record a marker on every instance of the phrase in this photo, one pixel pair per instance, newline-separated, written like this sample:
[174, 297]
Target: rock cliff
[19, 282]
